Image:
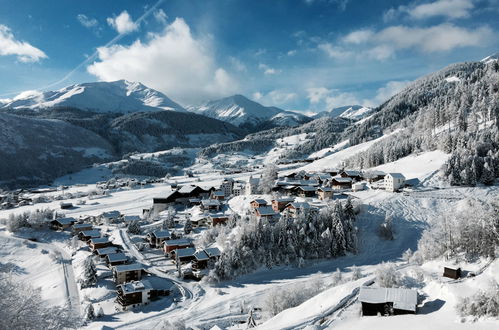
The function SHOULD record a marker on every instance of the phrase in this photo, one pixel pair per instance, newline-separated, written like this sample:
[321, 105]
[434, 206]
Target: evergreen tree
[89, 273]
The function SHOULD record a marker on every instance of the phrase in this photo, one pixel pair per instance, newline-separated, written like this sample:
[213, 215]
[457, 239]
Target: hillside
[37, 150]
[354, 112]
[240, 111]
[118, 96]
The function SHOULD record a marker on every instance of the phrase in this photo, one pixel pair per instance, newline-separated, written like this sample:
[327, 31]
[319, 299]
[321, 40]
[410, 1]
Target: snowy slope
[117, 96]
[240, 111]
[354, 112]
[491, 58]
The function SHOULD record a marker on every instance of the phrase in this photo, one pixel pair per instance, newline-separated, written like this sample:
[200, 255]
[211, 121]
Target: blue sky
[307, 55]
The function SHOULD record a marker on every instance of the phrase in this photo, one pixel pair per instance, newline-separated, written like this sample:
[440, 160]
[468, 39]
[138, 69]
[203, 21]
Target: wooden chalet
[103, 252]
[452, 272]
[183, 256]
[89, 234]
[266, 212]
[160, 204]
[62, 223]
[295, 208]
[200, 261]
[210, 205]
[110, 216]
[79, 227]
[305, 191]
[134, 294]
[279, 204]
[218, 195]
[354, 175]
[256, 203]
[115, 259]
[98, 243]
[341, 183]
[127, 273]
[194, 201]
[156, 238]
[174, 244]
[66, 205]
[215, 219]
[388, 301]
[325, 193]
[199, 221]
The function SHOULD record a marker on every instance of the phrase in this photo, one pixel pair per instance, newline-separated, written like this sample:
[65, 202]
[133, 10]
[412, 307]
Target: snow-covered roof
[131, 218]
[111, 214]
[176, 242]
[128, 268]
[187, 189]
[108, 250]
[352, 173]
[405, 299]
[187, 252]
[162, 233]
[81, 225]
[99, 240]
[396, 175]
[91, 233]
[218, 215]
[136, 286]
[259, 201]
[284, 200]
[342, 180]
[213, 252]
[265, 210]
[325, 189]
[201, 255]
[113, 257]
[301, 205]
[65, 221]
[218, 193]
[210, 202]
[307, 188]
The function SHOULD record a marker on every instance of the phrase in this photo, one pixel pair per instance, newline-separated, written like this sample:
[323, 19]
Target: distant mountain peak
[120, 96]
[354, 112]
[493, 57]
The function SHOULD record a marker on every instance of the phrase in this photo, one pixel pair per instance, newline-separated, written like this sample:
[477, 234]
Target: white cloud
[275, 98]
[160, 16]
[384, 93]
[25, 52]
[173, 62]
[87, 21]
[122, 23]
[452, 9]
[330, 98]
[334, 52]
[292, 52]
[267, 70]
[385, 43]
[237, 64]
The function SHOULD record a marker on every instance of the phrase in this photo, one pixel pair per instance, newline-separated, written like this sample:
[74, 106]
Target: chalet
[214, 253]
[127, 273]
[103, 252]
[110, 217]
[266, 212]
[256, 203]
[394, 181]
[156, 238]
[325, 193]
[373, 176]
[252, 186]
[227, 186]
[452, 272]
[79, 227]
[210, 205]
[174, 244]
[305, 191]
[182, 256]
[388, 301]
[114, 259]
[217, 219]
[194, 201]
[322, 178]
[134, 294]
[98, 243]
[295, 208]
[333, 171]
[280, 203]
[341, 183]
[198, 221]
[190, 191]
[160, 204]
[200, 261]
[128, 219]
[62, 223]
[354, 175]
[89, 234]
[218, 195]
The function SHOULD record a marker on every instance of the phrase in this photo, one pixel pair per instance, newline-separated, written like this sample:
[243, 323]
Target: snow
[353, 112]
[452, 79]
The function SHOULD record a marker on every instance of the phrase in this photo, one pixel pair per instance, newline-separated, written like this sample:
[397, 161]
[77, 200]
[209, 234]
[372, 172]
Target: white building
[227, 186]
[238, 189]
[394, 181]
[134, 293]
[252, 186]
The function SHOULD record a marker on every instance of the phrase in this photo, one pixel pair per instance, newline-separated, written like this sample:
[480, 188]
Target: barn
[388, 301]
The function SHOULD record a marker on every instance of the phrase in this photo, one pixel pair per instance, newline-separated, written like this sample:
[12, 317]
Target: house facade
[394, 181]
[127, 273]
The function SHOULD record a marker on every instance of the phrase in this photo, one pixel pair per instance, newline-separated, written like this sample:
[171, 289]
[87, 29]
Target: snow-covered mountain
[118, 96]
[491, 58]
[241, 111]
[354, 112]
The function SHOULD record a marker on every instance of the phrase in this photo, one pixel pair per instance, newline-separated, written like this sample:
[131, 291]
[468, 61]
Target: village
[160, 243]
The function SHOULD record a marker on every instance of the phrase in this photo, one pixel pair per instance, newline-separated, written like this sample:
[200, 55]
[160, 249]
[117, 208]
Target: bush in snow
[89, 273]
[385, 230]
[134, 228]
[22, 307]
[481, 304]
[387, 276]
[173, 325]
[356, 273]
[187, 227]
[269, 176]
[29, 219]
[90, 312]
